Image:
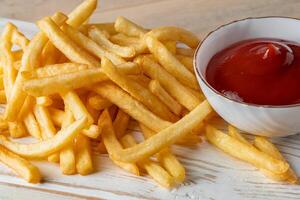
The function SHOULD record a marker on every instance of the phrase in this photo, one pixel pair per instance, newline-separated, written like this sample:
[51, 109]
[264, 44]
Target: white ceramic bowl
[271, 121]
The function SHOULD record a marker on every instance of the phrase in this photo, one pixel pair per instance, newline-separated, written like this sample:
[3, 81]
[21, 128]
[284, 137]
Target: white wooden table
[210, 173]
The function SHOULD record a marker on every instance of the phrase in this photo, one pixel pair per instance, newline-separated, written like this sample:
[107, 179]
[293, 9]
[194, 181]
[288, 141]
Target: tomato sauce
[259, 71]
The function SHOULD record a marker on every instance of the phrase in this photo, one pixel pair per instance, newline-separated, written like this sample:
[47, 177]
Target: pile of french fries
[75, 84]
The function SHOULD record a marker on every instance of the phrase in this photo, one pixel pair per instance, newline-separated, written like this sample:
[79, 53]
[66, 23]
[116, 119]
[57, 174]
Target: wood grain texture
[211, 175]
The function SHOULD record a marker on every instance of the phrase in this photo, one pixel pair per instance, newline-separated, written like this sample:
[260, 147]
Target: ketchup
[259, 71]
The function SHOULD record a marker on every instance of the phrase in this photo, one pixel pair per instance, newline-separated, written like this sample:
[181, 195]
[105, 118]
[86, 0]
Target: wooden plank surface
[210, 173]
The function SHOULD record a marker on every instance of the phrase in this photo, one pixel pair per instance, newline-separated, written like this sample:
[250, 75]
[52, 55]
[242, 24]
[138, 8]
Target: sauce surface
[259, 71]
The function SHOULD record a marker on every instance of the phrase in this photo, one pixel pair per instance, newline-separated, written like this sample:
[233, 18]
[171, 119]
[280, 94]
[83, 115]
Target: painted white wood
[210, 175]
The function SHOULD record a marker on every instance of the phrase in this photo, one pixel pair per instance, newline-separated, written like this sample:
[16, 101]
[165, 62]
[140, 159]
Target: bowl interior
[224, 36]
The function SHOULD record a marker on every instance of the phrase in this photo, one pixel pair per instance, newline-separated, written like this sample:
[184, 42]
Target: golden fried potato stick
[175, 34]
[30, 60]
[63, 43]
[244, 152]
[93, 131]
[166, 137]
[32, 126]
[46, 147]
[63, 83]
[187, 62]
[124, 40]
[99, 37]
[2, 97]
[54, 70]
[129, 68]
[81, 13]
[67, 156]
[185, 52]
[108, 27]
[129, 28]
[50, 54]
[47, 127]
[111, 143]
[171, 84]
[159, 174]
[267, 147]
[166, 158]
[170, 62]
[20, 166]
[9, 72]
[83, 157]
[131, 106]
[164, 96]
[57, 116]
[91, 46]
[97, 102]
[137, 91]
[74, 103]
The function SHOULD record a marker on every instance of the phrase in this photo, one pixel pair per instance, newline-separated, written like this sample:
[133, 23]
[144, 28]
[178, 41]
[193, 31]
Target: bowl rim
[203, 79]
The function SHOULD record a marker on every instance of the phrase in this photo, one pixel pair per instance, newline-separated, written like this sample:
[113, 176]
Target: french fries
[99, 37]
[20, 166]
[137, 91]
[170, 62]
[77, 85]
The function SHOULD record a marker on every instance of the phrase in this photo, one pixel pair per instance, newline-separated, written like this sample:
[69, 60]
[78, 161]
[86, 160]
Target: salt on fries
[76, 83]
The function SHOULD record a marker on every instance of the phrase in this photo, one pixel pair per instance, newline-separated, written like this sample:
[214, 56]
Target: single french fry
[81, 13]
[91, 46]
[164, 96]
[84, 163]
[30, 60]
[131, 106]
[158, 173]
[65, 44]
[137, 91]
[166, 33]
[98, 36]
[32, 126]
[92, 132]
[67, 156]
[63, 83]
[174, 87]
[54, 70]
[166, 158]
[166, 137]
[50, 54]
[244, 152]
[47, 127]
[129, 68]
[233, 132]
[47, 147]
[9, 72]
[129, 28]
[20, 166]
[267, 147]
[170, 63]
[44, 101]
[111, 144]
[19, 39]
